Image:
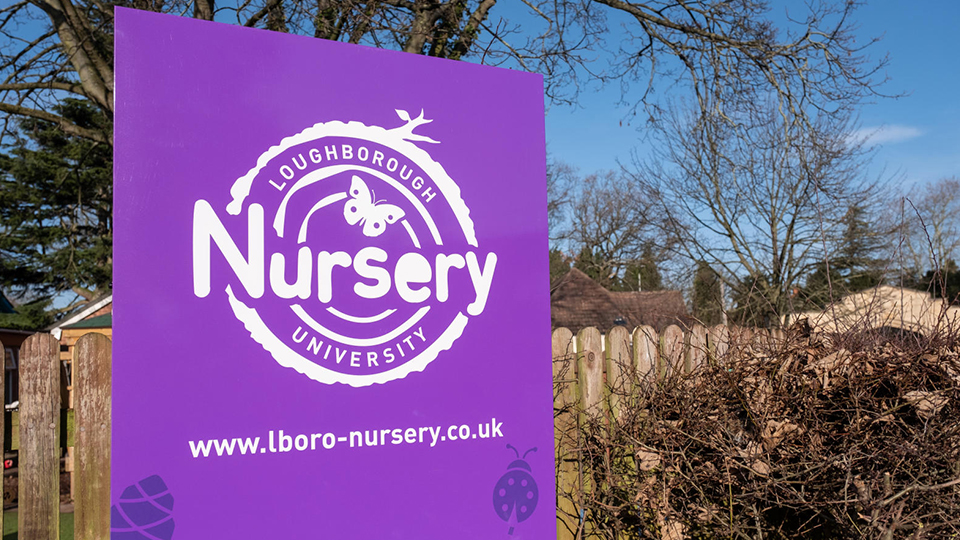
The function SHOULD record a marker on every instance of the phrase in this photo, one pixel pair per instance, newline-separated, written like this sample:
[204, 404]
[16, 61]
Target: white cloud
[892, 133]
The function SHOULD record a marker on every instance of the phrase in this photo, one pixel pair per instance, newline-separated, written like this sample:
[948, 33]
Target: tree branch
[469, 33]
[917, 487]
[46, 85]
[94, 72]
[204, 9]
[66, 126]
[259, 15]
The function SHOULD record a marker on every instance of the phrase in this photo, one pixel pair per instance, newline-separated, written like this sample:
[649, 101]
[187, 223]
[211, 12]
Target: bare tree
[53, 49]
[615, 230]
[931, 226]
[759, 200]
[57, 55]
[562, 180]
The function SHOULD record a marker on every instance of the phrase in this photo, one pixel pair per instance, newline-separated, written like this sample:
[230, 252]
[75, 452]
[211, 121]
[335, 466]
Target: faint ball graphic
[144, 512]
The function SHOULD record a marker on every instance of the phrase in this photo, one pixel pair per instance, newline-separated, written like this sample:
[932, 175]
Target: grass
[10, 526]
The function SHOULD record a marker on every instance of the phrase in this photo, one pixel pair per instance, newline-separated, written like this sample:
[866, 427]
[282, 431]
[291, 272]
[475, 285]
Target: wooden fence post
[565, 433]
[590, 370]
[619, 368]
[38, 512]
[646, 355]
[777, 337]
[671, 350]
[696, 355]
[761, 340]
[744, 339]
[590, 380]
[3, 417]
[92, 384]
[719, 342]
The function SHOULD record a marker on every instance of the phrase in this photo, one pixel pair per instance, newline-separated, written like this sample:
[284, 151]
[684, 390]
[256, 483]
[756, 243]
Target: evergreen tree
[641, 275]
[596, 267]
[707, 295]
[856, 266]
[752, 305]
[943, 283]
[823, 286]
[56, 207]
[30, 316]
[559, 265]
[859, 262]
[947, 282]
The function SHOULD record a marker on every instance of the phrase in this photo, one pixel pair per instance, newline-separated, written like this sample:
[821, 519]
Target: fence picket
[777, 336]
[581, 379]
[619, 369]
[761, 339]
[646, 355]
[3, 417]
[671, 350]
[38, 512]
[743, 337]
[719, 339]
[92, 371]
[565, 433]
[590, 379]
[590, 369]
[696, 349]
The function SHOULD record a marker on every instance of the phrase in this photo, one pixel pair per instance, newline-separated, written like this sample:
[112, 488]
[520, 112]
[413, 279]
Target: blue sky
[917, 135]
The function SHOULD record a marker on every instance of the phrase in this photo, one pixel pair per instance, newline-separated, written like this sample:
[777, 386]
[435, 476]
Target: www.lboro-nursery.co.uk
[280, 442]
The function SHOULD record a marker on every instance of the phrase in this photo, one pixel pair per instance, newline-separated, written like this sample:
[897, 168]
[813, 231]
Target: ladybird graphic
[516, 491]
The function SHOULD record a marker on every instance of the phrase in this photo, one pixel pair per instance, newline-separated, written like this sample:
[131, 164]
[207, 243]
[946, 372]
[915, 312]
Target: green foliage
[855, 267]
[822, 286]
[707, 295]
[753, 307]
[591, 265]
[943, 283]
[559, 265]
[947, 283]
[641, 275]
[859, 262]
[637, 275]
[10, 525]
[56, 208]
[31, 316]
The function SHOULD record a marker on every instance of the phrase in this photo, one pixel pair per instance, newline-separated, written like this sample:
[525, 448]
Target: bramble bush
[809, 436]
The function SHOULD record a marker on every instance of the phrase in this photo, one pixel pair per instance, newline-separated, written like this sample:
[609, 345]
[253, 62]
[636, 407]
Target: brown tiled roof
[577, 301]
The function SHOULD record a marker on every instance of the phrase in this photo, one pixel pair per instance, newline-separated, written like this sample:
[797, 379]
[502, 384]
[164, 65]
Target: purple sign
[331, 290]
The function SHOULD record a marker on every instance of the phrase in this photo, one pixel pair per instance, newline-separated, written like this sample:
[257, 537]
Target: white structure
[886, 307]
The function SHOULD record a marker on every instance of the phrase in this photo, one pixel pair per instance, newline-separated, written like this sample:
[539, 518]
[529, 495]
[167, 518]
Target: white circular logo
[352, 256]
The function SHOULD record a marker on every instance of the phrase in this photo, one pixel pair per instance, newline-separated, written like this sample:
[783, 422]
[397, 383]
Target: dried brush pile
[810, 438]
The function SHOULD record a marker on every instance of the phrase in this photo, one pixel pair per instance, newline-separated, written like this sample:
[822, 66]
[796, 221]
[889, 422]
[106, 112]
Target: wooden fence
[44, 426]
[585, 367]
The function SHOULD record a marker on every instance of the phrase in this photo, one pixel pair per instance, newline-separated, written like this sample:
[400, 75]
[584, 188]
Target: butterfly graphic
[361, 208]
